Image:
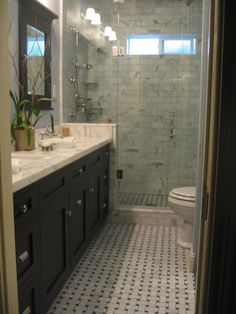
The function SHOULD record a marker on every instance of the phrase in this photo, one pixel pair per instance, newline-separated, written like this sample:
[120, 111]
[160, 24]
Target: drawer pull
[104, 205]
[24, 208]
[91, 190]
[106, 154]
[27, 310]
[79, 202]
[68, 212]
[23, 257]
[80, 171]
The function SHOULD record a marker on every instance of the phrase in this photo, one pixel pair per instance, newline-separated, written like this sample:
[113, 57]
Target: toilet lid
[184, 193]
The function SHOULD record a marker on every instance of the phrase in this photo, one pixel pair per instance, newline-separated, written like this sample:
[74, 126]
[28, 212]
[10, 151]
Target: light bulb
[90, 12]
[107, 31]
[112, 36]
[96, 19]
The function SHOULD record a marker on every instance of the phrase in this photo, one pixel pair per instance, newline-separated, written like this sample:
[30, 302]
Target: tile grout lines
[130, 269]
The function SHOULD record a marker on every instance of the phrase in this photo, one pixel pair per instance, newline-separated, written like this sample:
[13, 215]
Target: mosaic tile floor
[136, 199]
[130, 269]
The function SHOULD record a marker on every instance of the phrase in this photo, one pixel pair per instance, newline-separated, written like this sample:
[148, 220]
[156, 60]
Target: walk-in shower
[151, 91]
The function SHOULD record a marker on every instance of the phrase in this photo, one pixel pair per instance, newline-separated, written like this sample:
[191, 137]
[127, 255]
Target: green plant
[27, 110]
[27, 114]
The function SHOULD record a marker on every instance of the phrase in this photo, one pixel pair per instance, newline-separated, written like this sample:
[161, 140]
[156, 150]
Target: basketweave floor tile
[130, 268]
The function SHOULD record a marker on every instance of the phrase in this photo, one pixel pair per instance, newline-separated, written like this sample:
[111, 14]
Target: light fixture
[112, 36]
[107, 31]
[96, 19]
[90, 12]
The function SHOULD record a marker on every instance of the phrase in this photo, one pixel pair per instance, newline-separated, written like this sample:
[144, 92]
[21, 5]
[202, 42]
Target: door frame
[216, 286]
[8, 278]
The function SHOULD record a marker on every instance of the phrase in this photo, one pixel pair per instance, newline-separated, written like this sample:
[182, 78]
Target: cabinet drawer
[26, 204]
[105, 154]
[78, 170]
[29, 298]
[53, 184]
[27, 248]
[94, 159]
[98, 157]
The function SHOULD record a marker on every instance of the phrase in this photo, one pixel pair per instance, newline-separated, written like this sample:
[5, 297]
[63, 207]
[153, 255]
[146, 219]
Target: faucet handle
[43, 134]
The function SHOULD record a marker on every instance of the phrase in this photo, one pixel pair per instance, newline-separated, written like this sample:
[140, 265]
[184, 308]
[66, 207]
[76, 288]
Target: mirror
[35, 61]
[35, 51]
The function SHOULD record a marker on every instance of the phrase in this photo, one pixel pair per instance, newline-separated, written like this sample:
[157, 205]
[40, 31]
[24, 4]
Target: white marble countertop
[37, 164]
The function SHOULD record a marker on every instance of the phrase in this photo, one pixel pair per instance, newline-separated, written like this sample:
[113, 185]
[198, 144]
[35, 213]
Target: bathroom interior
[133, 73]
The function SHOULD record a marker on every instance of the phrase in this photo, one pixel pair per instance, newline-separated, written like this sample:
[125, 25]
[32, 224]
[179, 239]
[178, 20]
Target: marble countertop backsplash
[34, 165]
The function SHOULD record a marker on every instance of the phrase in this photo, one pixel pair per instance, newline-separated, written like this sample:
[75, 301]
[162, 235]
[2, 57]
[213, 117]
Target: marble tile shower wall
[75, 48]
[141, 92]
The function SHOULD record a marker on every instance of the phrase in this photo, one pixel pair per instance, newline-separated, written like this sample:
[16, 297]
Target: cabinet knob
[91, 190]
[106, 154]
[80, 171]
[79, 202]
[27, 310]
[105, 177]
[68, 212]
[104, 205]
[24, 208]
[23, 257]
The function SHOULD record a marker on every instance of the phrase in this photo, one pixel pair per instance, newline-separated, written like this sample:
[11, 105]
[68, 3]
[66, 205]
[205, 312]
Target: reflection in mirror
[35, 21]
[35, 61]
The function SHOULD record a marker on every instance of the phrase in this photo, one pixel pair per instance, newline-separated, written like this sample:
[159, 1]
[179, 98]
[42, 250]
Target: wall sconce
[107, 31]
[96, 19]
[112, 36]
[90, 12]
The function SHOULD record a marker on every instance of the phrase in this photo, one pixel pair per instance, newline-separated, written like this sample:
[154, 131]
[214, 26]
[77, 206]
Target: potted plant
[27, 114]
[27, 107]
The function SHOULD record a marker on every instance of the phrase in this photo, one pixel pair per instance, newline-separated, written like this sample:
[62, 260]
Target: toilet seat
[187, 194]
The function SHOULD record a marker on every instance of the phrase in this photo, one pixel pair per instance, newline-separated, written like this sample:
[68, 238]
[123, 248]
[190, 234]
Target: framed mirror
[35, 22]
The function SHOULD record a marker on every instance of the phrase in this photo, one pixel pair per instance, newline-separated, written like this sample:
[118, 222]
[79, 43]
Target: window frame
[162, 38]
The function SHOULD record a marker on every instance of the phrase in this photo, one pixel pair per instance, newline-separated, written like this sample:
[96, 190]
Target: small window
[153, 44]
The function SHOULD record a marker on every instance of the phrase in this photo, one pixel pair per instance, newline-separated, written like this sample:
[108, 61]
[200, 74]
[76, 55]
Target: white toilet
[182, 202]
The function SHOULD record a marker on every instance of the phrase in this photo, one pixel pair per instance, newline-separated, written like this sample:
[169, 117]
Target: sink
[65, 142]
[31, 155]
[29, 160]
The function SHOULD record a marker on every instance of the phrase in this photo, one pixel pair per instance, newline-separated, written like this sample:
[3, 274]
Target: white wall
[56, 7]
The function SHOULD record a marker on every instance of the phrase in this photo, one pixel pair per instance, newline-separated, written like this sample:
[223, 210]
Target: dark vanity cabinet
[54, 212]
[55, 218]
[27, 235]
[77, 214]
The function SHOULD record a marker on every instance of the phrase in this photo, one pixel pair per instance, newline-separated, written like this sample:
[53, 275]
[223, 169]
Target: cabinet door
[77, 223]
[104, 190]
[29, 299]
[27, 251]
[54, 236]
[93, 201]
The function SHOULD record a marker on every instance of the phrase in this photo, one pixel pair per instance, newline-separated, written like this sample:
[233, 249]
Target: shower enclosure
[152, 95]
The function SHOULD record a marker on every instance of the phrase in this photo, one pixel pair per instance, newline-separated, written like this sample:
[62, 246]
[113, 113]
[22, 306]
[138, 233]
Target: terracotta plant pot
[21, 139]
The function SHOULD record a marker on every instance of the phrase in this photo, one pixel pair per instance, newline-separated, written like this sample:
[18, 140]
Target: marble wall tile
[139, 93]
